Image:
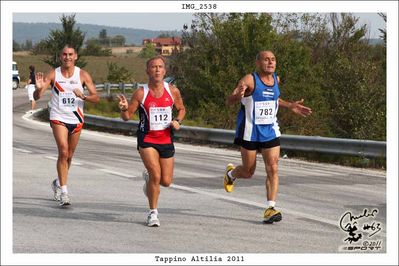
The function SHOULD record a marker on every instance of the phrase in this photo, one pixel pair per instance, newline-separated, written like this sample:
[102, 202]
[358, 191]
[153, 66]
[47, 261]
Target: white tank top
[64, 105]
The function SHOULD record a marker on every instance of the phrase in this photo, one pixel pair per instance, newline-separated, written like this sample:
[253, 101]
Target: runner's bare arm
[87, 81]
[244, 88]
[297, 107]
[128, 109]
[179, 105]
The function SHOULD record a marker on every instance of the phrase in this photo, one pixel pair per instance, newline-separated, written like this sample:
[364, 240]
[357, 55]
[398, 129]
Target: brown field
[96, 65]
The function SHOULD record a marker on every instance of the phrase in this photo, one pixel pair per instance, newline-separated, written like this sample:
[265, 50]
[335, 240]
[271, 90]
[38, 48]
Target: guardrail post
[122, 87]
[108, 88]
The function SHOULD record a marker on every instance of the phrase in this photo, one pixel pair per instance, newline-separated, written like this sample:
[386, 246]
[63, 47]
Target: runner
[257, 128]
[31, 87]
[155, 102]
[66, 112]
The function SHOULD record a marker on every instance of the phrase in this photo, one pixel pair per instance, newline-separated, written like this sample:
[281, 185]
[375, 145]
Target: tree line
[322, 58]
[94, 46]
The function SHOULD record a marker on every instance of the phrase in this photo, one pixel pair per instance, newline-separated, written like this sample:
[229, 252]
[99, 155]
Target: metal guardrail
[121, 86]
[362, 148]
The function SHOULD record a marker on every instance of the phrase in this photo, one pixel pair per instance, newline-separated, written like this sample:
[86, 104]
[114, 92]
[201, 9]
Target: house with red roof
[165, 46]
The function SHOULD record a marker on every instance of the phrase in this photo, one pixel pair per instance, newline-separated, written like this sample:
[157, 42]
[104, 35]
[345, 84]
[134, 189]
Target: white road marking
[260, 205]
[252, 203]
[27, 117]
[22, 150]
[55, 159]
[117, 173]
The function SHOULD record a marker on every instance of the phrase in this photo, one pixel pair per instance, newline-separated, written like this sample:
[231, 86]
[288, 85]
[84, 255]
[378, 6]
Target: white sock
[230, 175]
[64, 189]
[271, 203]
[154, 211]
[57, 182]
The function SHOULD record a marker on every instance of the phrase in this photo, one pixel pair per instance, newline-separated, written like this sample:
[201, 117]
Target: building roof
[165, 41]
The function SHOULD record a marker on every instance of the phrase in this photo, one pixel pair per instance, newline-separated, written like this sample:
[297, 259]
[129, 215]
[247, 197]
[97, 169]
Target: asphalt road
[108, 210]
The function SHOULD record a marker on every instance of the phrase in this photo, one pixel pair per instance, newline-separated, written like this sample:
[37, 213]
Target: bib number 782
[265, 112]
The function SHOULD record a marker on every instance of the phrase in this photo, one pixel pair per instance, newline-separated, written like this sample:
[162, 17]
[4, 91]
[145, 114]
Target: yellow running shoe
[228, 183]
[271, 215]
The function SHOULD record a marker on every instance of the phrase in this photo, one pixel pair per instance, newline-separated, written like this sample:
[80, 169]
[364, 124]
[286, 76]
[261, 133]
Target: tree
[28, 45]
[103, 34]
[148, 51]
[383, 31]
[164, 35]
[103, 38]
[354, 82]
[94, 49]
[15, 46]
[118, 40]
[59, 38]
[40, 48]
[118, 74]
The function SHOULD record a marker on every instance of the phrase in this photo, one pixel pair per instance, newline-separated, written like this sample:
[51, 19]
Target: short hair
[258, 54]
[155, 58]
[68, 45]
[32, 68]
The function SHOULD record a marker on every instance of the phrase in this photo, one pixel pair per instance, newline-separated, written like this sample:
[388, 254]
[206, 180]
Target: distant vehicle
[15, 76]
[171, 80]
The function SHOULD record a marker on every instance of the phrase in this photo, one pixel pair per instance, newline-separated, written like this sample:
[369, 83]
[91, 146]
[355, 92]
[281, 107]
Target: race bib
[265, 112]
[160, 117]
[67, 101]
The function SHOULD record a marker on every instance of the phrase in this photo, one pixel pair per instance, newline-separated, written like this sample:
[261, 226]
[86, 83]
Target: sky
[170, 21]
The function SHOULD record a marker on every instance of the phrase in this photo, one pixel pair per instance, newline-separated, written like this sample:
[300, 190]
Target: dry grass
[96, 66]
[126, 49]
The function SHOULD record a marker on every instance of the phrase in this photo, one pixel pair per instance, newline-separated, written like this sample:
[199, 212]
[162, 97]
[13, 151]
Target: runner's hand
[298, 108]
[123, 105]
[242, 88]
[175, 125]
[79, 94]
[39, 80]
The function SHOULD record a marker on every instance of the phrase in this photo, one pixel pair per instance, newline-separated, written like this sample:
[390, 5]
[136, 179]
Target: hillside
[38, 31]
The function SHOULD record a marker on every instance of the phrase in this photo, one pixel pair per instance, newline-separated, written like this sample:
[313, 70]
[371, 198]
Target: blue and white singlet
[256, 120]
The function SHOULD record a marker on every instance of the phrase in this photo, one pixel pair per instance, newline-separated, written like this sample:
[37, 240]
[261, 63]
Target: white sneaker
[56, 190]
[152, 220]
[146, 177]
[64, 199]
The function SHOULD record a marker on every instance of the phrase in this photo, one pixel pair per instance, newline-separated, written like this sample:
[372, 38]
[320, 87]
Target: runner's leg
[60, 133]
[167, 171]
[270, 158]
[73, 140]
[247, 169]
[151, 160]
